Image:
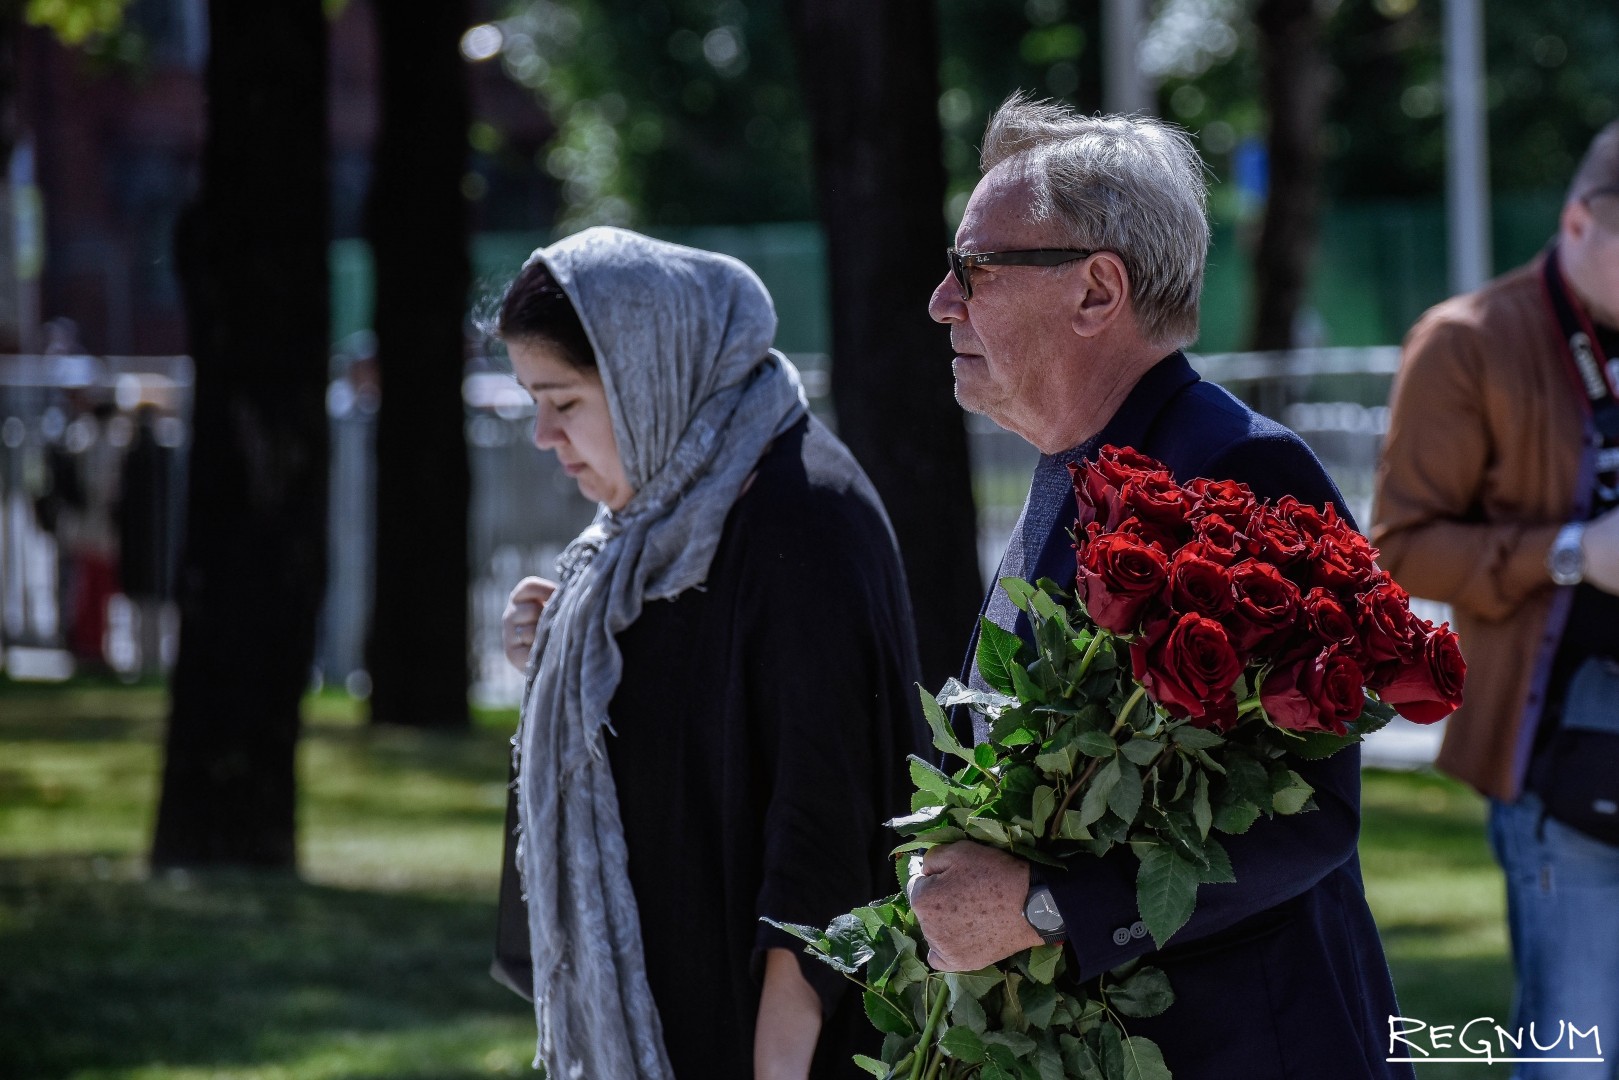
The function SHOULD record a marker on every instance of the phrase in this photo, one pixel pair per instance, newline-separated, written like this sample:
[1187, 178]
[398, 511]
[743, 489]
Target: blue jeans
[1563, 914]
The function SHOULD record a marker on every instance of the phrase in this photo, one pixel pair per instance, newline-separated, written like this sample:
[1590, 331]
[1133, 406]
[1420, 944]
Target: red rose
[1119, 575]
[1430, 687]
[1317, 693]
[1388, 630]
[1197, 583]
[1155, 498]
[1221, 542]
[1339, 563]
[1264, 606]
[1329, 621]
[1275, 539]
[1224, 498]
[1097, 483]
[1190, 671]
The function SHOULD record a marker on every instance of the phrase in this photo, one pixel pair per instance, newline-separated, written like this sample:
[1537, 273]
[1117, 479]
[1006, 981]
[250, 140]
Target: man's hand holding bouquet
[1211, 642]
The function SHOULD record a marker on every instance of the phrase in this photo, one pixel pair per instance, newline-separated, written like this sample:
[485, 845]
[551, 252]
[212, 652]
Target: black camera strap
[1595, 377]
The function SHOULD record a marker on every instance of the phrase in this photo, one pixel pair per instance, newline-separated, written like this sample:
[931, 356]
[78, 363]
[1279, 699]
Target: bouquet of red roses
[1212, 640]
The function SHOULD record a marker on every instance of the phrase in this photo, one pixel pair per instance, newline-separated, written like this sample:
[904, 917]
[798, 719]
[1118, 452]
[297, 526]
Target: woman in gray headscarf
[719, 697]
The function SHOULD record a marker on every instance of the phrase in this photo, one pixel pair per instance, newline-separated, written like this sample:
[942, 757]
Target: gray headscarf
[682, 340]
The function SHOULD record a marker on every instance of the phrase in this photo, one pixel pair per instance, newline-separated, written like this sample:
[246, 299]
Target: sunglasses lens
[959, 269]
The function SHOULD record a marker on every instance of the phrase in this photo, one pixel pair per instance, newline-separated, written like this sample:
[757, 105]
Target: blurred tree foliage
[1551, 85]
[680, 111]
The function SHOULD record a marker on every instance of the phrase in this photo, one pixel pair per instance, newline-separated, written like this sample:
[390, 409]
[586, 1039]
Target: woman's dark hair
[536, 309]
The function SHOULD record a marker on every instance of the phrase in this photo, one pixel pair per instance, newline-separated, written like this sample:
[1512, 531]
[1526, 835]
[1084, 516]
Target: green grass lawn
[372, 963]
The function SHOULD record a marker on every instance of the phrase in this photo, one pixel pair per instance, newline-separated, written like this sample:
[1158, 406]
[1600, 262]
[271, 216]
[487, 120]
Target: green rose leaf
[1290, 792]
[1166, 891]
[929, 778]
[1019, 736]
[973, 984]
[1141, 751]
[966, 1012]
[1025, 687]
[1217, 869]
[1096, 744]
[1057, 762]
[1102, 784]
[1014, 1041]
[1143, 1060]
[1235, 818]
[809, 934]
[1111, 1050]
[886, 1016]
[1145, 993]
[1125, 798]
[1039, 1002]
[1044, 803]
[963, 1044]
[1202, 814]
[871, 1065]
[998, 652]
[1188, 737]
[1043, 962]
[1018, 591]
[1320, 744]
[1049, 1063]
[847, 941]
[990, 831]
[1247, 780]
[1073, 826]
[944, 736]
[1080, 1060]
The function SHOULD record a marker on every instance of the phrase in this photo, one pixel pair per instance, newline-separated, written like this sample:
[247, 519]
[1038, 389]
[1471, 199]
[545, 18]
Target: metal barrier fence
[92, 456]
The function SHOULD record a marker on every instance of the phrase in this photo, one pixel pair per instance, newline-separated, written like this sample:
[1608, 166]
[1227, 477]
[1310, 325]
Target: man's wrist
[1040, 910]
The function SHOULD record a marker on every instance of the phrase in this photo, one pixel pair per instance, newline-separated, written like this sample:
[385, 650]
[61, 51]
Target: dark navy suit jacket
[1281, 973]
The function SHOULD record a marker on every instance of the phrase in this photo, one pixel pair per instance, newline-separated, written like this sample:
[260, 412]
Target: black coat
[761, 731]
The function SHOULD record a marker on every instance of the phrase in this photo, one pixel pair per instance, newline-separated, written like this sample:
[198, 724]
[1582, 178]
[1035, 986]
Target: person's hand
[522, 616]
[1600, 545]
[969, 899]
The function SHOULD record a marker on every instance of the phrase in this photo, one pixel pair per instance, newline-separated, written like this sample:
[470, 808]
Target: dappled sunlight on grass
[372, 963]
[1439, 901]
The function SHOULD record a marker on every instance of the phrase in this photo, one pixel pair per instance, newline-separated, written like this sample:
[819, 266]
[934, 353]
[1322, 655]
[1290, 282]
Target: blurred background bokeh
[264, 485]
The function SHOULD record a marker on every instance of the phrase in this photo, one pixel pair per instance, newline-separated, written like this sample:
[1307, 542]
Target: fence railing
[92, 463]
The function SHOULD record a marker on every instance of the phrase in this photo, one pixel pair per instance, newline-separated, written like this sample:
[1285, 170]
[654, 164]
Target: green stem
[1129, 707]
[1090, 652]
[1248, 705]
[925, 1048]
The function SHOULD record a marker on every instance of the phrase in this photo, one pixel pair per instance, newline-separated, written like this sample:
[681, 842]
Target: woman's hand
[522, 616]
[789, 1020]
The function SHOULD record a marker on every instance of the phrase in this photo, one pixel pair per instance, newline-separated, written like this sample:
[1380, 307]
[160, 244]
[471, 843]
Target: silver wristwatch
[1041, 911]
[1566, 559]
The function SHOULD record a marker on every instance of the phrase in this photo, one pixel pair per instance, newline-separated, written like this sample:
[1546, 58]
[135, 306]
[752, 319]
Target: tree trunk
[252, 256]
[870, 79]
[1295, 97]
[417, 221]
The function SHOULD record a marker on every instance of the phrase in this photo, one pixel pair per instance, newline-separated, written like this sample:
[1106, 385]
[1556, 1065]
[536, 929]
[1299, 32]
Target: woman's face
[572, 419]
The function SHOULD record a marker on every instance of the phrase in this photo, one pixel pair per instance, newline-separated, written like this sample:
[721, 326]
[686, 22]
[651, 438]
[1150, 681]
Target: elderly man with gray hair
[1073, 286]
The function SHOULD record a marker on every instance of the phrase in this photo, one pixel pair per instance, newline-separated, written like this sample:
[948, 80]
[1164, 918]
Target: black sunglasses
[962, 262]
